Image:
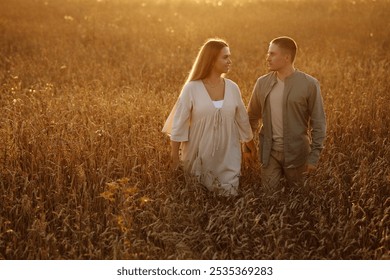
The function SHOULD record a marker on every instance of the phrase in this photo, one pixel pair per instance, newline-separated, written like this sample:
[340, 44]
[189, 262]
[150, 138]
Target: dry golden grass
[86, 87]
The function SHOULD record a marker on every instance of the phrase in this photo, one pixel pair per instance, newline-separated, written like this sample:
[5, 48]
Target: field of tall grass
[85, 89]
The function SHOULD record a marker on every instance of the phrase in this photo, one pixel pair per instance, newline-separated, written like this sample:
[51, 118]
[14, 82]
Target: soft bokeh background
[86, 86]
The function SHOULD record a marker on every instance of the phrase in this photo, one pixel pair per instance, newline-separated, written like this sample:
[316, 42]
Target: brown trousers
[274, 171]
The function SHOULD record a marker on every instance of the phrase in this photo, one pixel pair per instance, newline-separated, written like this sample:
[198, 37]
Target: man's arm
[317, 124]
[254, 114]
[254, 108]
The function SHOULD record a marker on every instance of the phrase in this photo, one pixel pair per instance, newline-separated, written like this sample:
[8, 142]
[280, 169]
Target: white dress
[210, 137]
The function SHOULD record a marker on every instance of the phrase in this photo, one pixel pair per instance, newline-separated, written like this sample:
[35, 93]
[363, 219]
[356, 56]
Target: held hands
[249, 154]
[310, 168]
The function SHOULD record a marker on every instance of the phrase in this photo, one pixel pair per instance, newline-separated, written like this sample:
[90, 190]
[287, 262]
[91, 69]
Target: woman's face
[223, 62]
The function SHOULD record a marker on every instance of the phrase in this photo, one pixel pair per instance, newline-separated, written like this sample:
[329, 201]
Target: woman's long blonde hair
[206, 58]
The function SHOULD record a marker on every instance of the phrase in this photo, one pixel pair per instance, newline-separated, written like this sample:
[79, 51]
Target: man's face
[277, 58]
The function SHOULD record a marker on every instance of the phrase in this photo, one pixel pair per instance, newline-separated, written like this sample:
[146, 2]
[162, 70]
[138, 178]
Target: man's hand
[249, 153]
[310, 168]
[246, 159]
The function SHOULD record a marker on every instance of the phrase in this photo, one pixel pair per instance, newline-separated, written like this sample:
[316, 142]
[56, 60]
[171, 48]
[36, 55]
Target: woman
[209, 120]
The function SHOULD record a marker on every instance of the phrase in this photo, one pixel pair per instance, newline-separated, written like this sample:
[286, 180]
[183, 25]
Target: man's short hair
[287, 44]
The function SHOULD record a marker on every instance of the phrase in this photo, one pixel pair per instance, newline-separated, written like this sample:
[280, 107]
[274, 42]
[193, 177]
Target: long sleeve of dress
[178, 122]
[242, 120]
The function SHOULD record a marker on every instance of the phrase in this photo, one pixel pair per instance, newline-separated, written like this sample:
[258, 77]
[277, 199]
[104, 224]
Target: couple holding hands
[209, 126]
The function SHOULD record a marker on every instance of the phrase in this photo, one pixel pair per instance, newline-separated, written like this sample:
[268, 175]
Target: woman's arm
[175, 160]
[250, 147]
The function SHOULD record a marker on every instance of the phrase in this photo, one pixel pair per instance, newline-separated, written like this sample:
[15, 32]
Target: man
[290, 105]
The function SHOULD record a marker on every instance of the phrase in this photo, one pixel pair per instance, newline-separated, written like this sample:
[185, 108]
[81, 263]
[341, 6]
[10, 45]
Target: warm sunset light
[87, 173]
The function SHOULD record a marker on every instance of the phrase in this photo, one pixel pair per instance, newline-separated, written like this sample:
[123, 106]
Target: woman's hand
[310, 168]
[249, 153]
[175, 162]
